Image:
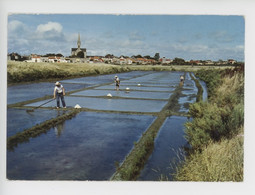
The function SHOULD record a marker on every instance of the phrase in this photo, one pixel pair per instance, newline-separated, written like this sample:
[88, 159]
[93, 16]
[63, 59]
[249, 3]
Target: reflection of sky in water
[205, 94]
[150, 84]
[141, 88]
[159, 77]
[100, 79]
[190, 91]
[168, 143]
[87, 146]
[19, 120]
[24, 92]
[83, 148]
[129, 94]
[110, 104]
[185, 100]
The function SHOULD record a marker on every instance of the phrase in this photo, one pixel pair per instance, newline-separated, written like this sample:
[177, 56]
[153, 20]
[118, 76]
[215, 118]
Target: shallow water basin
[19, 119]
[110, 104]
[125, 94]
[167, 149]
[83, 148]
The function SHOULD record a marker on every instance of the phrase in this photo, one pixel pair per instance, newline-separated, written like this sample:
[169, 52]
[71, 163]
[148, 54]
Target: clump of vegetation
[221, 161]
[212, 79]
[215, 125]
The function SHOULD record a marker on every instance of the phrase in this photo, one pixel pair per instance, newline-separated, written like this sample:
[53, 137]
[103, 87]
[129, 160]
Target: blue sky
[185, 36]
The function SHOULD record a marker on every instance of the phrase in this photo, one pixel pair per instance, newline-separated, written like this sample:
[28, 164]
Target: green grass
[27, 72]
[221, 161]
[30, 72]
[216, 131]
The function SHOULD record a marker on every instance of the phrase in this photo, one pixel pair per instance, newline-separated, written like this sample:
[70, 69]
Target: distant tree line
[175, 61]
[53, 54]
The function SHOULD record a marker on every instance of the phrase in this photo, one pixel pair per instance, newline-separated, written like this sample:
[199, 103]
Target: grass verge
[222, 161]
[18, 72]
[215, 133]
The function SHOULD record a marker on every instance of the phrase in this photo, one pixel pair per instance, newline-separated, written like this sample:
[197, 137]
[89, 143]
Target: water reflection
[86, 149]
[59, 129]
[87, 146]
[18, 119]
[167, 150]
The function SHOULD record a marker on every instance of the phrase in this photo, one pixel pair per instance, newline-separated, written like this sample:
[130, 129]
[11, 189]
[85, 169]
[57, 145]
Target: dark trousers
[60, 96]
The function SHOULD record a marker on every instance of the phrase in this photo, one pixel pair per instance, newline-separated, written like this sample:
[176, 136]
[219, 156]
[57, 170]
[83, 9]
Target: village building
[79, 52]
[195, 62]
[165, 60]
[231, 61]
[34, 58]
[209, 62]
[14, 56]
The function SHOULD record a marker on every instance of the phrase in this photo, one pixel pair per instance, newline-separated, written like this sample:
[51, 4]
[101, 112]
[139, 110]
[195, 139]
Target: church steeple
[81, 51]
[79, 41]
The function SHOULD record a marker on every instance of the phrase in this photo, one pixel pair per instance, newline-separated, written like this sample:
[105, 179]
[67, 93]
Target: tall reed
[214, 133]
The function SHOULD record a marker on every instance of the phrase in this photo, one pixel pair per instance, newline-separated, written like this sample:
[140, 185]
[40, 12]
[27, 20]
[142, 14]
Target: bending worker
[59, 91]
[117, 82]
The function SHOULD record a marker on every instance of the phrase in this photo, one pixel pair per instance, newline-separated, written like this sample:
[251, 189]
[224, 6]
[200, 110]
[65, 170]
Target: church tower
[79, 42]
[75, 51]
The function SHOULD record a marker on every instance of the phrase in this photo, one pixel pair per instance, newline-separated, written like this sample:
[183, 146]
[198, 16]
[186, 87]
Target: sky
[191, 37]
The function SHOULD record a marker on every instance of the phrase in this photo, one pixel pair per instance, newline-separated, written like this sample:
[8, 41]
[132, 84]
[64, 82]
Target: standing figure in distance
[181, 78]
[117, 82]
[59, 92]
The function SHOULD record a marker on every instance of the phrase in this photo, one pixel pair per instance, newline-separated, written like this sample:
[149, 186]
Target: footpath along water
[90, 145]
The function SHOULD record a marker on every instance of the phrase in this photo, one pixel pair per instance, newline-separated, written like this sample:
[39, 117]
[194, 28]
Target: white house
[35, 58]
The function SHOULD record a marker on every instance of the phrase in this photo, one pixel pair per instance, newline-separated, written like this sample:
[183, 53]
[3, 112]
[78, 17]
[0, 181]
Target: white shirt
[59, 89]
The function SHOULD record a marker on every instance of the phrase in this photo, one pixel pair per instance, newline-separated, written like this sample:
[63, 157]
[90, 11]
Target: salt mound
[109, 95]
[77, 106]
[127, 88]
[139, 85]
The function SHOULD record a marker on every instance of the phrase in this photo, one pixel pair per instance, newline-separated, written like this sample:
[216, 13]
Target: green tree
[147, 57]
[59, 55]
[138, 56]
[178, 61]
[109, 56]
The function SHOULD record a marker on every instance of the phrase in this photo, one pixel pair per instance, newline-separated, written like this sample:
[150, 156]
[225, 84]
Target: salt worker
[117, 82]
[59, 92]
[181, 78]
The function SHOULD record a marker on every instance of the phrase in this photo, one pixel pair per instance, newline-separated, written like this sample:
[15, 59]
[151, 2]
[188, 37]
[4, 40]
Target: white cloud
[50, 38]
[15, 25]
[50, 26]
[50, 31]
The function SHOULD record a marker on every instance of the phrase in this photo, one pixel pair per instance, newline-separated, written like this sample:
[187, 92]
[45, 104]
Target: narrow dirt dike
[130, 169]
